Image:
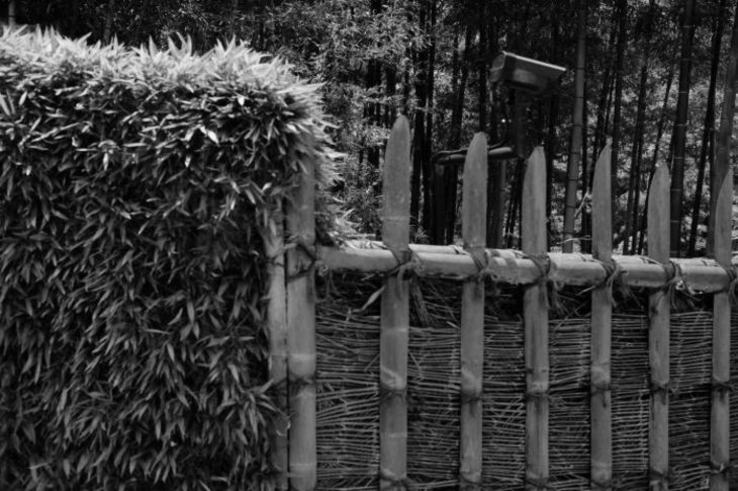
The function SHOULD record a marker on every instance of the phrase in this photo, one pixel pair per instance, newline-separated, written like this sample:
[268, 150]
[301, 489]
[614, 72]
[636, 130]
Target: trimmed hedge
[135, 188]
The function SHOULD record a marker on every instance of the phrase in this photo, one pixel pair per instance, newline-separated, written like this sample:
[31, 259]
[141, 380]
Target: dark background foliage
[135, 189]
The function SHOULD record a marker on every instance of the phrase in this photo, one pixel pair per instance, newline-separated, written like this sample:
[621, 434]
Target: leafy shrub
[135, 188]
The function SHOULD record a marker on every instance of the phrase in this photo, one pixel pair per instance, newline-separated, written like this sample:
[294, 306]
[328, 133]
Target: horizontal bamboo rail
[514, 268]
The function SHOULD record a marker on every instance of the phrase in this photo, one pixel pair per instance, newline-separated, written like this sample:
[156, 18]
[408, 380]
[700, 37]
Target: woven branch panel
[349, 396]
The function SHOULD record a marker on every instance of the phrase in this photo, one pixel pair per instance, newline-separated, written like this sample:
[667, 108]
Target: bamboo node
[720, 467]
[660, 390]
[390, 481]
[538, 482]
[721, 387]
[387, 393]
[296, 385]
[470, 484]
[659, 479]
[602, 485]
[471, 397]
[537, 394]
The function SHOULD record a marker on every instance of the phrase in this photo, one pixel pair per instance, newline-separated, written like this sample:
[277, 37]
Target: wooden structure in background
[531, 268]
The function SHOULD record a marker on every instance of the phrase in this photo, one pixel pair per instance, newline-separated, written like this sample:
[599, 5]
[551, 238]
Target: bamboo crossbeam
[601, 340]
[395, 313]
[658, 338]
[276, 324]
[535, 320]
[720, 409]
[512, 267]
[474, 228]
[301, 335]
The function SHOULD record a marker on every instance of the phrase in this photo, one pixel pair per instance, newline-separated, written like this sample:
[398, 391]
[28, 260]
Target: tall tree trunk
[553, 116]
[421, 72]
[619, 75]
[631, 217]
[11, 13]
[575, 154]
[457, 113]
[497, 182]
[657, 145]
[435, 224]
[634, 188]
[722, 159]
[680, 129]
[600, 127]
[709, 127]
[108, 30]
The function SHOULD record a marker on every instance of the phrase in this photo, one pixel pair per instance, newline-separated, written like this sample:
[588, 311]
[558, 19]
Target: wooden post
[600, 399]
[720, 412]
[301, 334]
[658, 340]
[473, 225]
[276, 320]
[535, 305]
[395, 316]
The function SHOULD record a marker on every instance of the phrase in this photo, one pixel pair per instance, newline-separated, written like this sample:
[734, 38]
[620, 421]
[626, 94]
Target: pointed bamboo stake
[658, 341]
[535, 305]
[720, 413]
[474, 214]
[276, 321]
[600, 399]
[395, 317]
[301, 334]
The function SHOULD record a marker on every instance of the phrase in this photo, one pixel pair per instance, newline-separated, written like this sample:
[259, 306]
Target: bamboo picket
[535, 313]
[291, 319]
[474, 228]
[658, 340]
[276, 319]
[600, 403]
[301, 335]
[395, 312]
[720, 409]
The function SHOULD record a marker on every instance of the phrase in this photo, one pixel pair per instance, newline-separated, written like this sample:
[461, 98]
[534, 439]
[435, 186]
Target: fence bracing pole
[535, 312]
[276, 321]
[395, 315]
[473, 225]
[658, 338]
[601, 340]
[301, 333]
[720, 411]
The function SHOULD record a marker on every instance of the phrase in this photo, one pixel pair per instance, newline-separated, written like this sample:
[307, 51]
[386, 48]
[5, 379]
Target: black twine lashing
[660, 390]
[721, 387]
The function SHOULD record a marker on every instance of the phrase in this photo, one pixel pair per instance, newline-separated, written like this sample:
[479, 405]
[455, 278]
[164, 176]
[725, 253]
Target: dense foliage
[135, 190]
[431, 58]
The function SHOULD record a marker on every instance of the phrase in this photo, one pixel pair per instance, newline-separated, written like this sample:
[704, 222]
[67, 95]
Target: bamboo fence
[465, 374]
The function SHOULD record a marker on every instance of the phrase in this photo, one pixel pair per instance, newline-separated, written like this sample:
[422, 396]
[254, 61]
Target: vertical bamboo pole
[535, 305]
[658, 341]
[720, 413]
[395, 316]
[473, 225]
[600, 399]
[301, 334]
[276, 320]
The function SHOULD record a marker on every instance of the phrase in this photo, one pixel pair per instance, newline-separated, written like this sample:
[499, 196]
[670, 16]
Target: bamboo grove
[649, 74]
